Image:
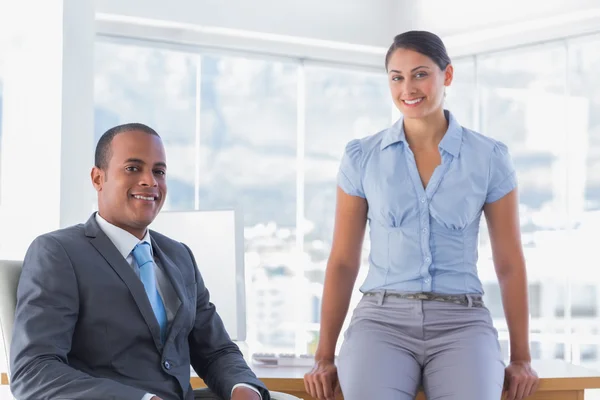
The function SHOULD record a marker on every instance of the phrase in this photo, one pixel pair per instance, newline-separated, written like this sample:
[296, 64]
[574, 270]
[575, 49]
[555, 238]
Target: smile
[146, 198]
[412, 102]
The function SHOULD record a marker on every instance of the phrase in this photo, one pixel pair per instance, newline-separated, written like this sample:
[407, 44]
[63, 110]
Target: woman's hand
[521, 380]
[322, 381]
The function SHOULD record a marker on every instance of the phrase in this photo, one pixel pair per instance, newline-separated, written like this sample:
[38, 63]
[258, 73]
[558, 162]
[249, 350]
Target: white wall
[467, 26]
[47, 124]
[475, 26]
[453, 17]
[366, 22]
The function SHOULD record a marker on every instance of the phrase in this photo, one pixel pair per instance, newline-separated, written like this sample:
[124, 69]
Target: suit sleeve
[214, 357]
[46, 315]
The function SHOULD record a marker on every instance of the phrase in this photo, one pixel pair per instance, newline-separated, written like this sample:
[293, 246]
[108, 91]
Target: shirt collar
[451, 142]
[124, 241]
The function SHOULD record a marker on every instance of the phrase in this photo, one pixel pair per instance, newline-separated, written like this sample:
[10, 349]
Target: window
[232, 126]
[522, 105]
[158, 88]
[545, 116]
[340, 106]
[461, 94]
[266, 136]
[248, 152]
[583, 149]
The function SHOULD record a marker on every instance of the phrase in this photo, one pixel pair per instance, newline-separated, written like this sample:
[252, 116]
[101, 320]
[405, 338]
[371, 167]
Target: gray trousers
[394, 345]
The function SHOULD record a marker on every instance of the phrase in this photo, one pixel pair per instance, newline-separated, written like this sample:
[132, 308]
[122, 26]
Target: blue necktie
[145, 261]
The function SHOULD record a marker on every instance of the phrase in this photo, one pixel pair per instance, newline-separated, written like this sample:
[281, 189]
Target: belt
[463, 299]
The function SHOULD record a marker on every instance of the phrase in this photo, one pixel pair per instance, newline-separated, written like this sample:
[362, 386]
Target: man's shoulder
[57, 244]
[64, 236]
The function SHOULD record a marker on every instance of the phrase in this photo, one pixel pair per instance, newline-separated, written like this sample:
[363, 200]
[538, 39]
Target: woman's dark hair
[422, 42]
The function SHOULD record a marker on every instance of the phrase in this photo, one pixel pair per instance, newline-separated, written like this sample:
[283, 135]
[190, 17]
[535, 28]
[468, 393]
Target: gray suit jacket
[84, 328]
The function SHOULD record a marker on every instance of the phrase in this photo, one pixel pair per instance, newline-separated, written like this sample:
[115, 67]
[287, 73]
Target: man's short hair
[103, 152]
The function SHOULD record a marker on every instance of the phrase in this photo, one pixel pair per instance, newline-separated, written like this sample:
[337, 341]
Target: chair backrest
[10, 271]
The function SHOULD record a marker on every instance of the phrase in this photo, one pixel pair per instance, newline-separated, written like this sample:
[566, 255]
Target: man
[111, 310]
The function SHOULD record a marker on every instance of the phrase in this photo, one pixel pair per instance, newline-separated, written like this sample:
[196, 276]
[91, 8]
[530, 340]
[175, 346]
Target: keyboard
[283, 359]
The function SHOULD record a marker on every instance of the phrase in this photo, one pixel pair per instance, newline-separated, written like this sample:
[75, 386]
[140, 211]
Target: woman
[422, 185]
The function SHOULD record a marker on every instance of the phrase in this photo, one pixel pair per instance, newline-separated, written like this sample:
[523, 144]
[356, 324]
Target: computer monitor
[216, 239]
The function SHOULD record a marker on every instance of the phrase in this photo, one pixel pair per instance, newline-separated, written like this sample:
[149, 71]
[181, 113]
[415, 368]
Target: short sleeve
[350, 173]
[502, 175]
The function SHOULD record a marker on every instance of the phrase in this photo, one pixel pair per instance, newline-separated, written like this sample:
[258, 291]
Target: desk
[559, 380]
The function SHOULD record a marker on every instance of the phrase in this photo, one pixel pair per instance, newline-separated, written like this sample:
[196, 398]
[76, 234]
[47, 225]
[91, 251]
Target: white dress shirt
[125, 242]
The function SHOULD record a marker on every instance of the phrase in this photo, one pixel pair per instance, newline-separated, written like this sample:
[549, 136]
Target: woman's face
[417, 83]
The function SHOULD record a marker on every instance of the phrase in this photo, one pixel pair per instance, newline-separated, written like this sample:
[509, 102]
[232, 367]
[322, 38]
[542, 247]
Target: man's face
[132, 189]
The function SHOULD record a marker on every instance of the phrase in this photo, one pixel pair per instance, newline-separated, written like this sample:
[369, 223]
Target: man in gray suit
[111, 310]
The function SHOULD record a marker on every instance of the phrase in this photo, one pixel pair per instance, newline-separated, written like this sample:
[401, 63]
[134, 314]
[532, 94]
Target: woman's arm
[342, 269]
[504, 228]
[505, 234]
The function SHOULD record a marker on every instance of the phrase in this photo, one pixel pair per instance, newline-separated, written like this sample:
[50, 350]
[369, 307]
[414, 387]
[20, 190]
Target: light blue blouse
[425, 240]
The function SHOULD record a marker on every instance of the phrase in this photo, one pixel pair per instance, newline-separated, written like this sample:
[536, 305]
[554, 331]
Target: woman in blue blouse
[423, 184]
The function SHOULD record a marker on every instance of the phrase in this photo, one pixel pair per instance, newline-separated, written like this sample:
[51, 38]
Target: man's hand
[244, 393]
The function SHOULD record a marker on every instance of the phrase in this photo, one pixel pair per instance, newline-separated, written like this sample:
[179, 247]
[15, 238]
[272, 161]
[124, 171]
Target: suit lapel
[112, 256]
[174, 275]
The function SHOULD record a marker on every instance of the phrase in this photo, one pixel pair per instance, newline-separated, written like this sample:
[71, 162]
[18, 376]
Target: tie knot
[142, 254]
